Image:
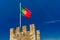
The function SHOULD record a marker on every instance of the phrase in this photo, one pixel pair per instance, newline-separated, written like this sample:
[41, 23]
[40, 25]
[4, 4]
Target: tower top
[25, 34]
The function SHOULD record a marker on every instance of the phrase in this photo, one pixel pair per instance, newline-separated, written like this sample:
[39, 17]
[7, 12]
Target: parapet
[25, 34]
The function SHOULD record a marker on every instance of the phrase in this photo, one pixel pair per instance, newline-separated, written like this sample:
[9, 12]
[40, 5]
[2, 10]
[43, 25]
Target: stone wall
[24, 34]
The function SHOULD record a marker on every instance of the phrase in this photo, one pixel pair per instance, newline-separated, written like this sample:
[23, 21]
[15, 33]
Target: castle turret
[24, 34]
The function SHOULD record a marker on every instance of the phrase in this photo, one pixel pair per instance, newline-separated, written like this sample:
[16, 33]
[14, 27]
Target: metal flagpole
[20, 14]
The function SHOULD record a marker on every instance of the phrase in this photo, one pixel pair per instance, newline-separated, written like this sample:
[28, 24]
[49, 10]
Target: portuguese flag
[25, 12]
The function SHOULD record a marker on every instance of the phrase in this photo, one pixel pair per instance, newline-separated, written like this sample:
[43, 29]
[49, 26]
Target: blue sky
[45, 15]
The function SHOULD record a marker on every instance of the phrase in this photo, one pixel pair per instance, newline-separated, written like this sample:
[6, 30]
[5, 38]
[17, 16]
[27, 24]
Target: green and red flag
[25, 12]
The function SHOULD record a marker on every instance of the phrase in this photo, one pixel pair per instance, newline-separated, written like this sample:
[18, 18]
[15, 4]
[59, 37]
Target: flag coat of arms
[25, 12]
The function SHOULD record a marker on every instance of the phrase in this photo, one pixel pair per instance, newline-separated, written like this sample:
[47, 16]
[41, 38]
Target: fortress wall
[24, 34]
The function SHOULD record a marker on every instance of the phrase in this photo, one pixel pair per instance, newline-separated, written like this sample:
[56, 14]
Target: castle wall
[24, 34]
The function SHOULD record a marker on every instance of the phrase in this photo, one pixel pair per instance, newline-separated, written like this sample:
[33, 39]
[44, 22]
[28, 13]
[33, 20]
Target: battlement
[24, 34]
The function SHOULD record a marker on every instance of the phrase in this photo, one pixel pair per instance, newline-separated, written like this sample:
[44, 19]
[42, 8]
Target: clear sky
[45, 15]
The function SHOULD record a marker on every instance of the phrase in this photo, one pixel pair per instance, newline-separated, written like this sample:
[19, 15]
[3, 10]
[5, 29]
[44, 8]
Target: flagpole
[20, 14]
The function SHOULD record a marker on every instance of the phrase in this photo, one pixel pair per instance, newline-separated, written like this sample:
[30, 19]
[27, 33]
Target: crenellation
[12, 34]
[38, 34]
[24, 34]
[32, 32]
[24, 29]
[18, 33]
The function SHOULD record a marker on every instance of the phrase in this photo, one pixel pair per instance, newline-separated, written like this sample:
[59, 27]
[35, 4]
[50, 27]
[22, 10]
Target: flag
[25, 12]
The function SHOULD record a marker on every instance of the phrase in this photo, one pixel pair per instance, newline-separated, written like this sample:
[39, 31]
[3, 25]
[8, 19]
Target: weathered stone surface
[24, 34]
